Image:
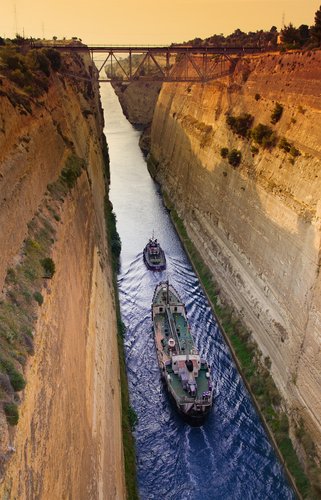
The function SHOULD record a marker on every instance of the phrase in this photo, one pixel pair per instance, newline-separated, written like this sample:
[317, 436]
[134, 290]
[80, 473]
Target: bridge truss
[164, 64]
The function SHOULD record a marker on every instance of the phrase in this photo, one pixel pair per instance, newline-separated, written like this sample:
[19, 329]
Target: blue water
[229, 457]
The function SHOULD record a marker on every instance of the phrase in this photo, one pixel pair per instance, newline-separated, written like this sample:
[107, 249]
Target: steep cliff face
[138, 101]
[68, 441]
[257, 225]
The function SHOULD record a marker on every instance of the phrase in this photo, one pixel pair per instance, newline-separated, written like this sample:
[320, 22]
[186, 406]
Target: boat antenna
[153, 235]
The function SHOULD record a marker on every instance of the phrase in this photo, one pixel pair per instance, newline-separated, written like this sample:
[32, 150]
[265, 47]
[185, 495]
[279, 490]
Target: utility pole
[15, 18]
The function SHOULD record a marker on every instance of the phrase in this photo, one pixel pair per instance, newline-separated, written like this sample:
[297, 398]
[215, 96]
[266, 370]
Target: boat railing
[185, 399]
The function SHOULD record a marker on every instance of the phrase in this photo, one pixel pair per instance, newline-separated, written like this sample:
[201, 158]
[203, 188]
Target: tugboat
[154, 256]
[185, 374]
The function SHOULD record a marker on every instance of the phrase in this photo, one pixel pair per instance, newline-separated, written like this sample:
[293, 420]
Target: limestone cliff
[256, 225]
[138, 101]
[68, 441]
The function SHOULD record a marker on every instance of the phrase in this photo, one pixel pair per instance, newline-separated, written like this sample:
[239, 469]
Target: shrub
[277, 113]
[71, 171]
[54, 58]
[12, 414]
[5, 384]
[254, 150]
[38, 60]
[11, 59]
[224, 152]
[257, 97]
[18, 77]
[132, 417]
[240, 124]
[263, 135]
[294, 152]
[48, 266]
[288, 147]
[234, 157]
[38, 298]
[16, 379]
[11, 276]
[284, 144]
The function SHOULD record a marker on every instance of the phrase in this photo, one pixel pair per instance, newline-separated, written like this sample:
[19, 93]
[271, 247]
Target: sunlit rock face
[257, 225]
[68, 441]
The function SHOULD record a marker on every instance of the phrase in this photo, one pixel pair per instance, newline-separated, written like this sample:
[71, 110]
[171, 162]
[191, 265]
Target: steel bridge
[175, 63]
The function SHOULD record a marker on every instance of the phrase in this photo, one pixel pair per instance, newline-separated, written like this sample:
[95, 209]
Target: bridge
[175, 63]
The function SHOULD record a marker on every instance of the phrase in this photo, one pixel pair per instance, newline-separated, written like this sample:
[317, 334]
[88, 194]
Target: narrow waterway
[230, 456]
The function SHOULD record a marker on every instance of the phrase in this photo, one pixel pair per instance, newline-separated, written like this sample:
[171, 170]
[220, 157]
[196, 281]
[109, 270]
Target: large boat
[154, 256]
[186, 375]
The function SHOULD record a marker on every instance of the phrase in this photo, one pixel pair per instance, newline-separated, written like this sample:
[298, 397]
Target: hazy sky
[150, 22]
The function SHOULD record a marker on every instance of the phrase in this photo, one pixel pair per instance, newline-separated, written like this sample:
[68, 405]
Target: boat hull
[185, 374]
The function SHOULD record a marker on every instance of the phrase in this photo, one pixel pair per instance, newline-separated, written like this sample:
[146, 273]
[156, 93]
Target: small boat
[185, 373]
[154, 256]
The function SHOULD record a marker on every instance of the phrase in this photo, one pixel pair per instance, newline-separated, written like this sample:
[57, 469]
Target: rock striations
[257, 225]
[68, 442]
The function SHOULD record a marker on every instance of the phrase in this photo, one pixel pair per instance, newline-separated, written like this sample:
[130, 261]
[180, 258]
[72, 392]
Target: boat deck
[160, 298]
[201, 380]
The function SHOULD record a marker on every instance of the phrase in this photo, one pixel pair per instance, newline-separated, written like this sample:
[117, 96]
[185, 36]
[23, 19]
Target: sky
[147, 22]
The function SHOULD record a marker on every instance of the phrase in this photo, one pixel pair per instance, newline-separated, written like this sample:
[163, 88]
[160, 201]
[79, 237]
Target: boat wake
[229, 457]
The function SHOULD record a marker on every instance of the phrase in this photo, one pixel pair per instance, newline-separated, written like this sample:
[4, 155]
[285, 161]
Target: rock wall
[68, 442]
[257, 225]
[138, 100]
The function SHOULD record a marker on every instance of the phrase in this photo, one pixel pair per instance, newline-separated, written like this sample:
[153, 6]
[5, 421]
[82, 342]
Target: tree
[316, 29]
[290, 35]
[304, 33]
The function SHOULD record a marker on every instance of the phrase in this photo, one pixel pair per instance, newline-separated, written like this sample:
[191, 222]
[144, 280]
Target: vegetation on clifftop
[291, 37]
[29, 70]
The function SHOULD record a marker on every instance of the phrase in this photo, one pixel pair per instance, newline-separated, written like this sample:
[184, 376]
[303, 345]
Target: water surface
[230, 456]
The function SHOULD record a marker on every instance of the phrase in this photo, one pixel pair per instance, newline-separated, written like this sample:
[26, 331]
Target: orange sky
[150, 22]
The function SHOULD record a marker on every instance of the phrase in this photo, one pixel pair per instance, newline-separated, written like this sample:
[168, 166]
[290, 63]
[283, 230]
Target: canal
[230, 456]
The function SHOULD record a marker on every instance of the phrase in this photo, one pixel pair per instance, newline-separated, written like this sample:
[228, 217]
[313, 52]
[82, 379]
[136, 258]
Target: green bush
[263, 135]
[12, 414]
[38, 298]
[48, 266]
[71, 170]
[240, 124]
[132, 416]
[277, 113]
[16, 379]
[234, 157]
[224, 152]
